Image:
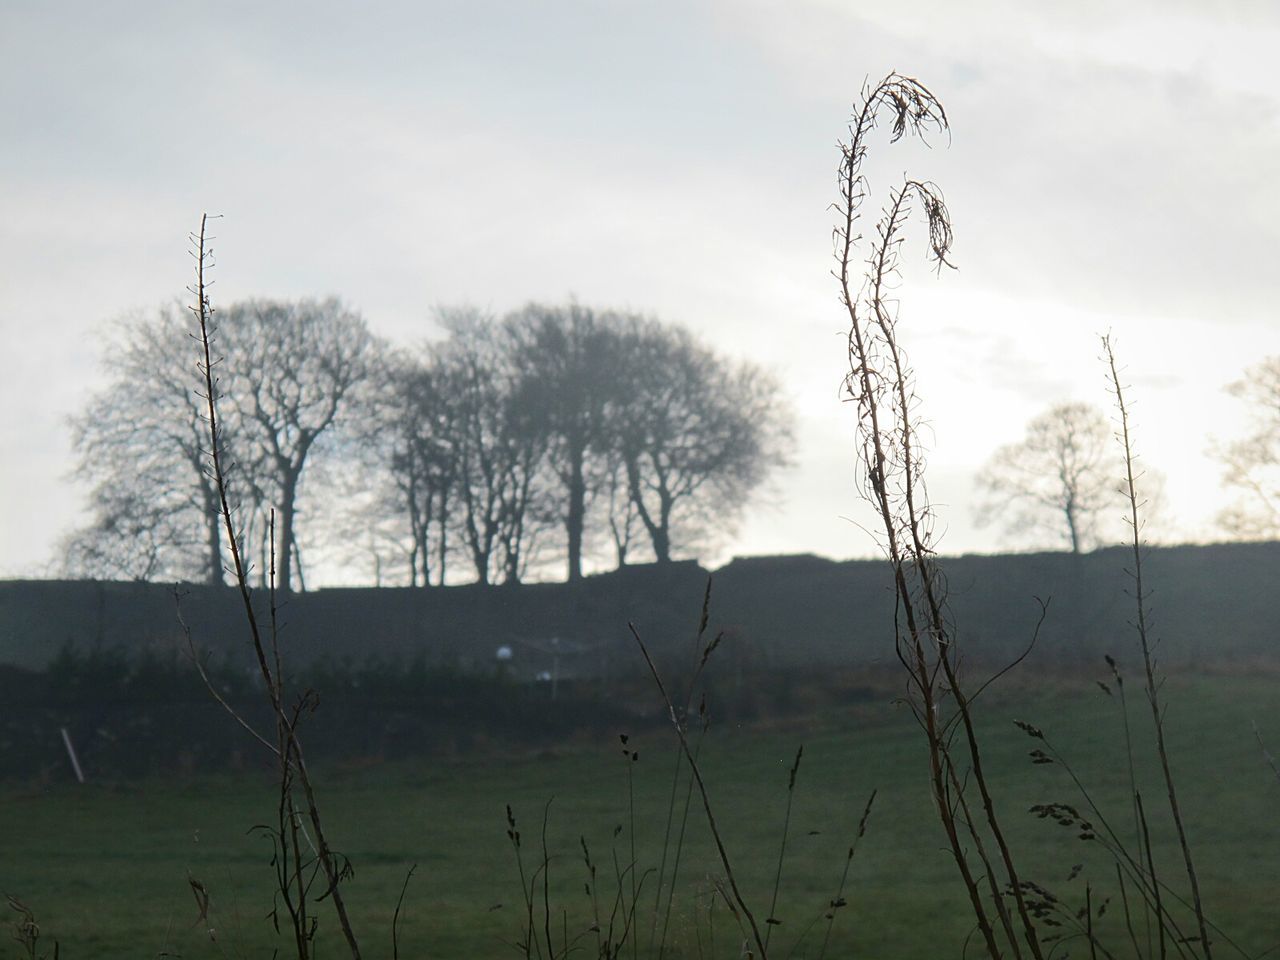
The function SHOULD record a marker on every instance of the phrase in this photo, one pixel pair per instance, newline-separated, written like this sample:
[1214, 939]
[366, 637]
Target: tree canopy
[555, 432]
[1251, 464]
[1057, 479]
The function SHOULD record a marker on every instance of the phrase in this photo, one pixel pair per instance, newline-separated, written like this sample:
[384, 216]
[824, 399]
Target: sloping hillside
[1209, 603]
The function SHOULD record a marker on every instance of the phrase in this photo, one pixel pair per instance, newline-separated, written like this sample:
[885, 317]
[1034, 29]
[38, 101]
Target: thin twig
[395, 917]
[706, 799]
[772, 920]
[203, 313]
[1152, 685]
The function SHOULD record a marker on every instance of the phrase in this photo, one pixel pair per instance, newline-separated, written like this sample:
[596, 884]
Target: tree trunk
[444, 535]
[662, 544]
[296, 551]
[659, 534]
[284, 543]
[662, 534]
[213, 536]
[576, 514]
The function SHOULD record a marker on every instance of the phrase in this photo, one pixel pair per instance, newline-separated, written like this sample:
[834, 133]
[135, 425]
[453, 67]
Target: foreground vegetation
[109, 868]
[1032, 898]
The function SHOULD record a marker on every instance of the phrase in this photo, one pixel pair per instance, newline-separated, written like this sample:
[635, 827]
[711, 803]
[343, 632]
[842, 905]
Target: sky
[1110, 168]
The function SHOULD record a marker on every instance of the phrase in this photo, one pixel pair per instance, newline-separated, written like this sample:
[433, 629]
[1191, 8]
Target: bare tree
[567, 359]
[133, 536]
[641, 416]
[881, 387]
[696, 434]
[497, 443]
[1058, 478]
[409, 470]
[295, 871]
[140, 442]
[296, 369]
[620, 509]
[1252, 464]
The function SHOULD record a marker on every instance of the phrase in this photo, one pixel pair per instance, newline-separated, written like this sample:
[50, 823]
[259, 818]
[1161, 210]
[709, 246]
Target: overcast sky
[1112, 167]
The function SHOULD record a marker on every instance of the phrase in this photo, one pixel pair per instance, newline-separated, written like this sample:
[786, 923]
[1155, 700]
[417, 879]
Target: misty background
[1108, 171]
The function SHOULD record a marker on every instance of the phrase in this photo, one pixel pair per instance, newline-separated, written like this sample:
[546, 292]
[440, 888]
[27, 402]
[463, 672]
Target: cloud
[1091, 160]
[1108, 169]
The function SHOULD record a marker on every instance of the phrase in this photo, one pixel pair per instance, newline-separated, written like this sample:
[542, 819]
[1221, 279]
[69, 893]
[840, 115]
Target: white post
[71, 752]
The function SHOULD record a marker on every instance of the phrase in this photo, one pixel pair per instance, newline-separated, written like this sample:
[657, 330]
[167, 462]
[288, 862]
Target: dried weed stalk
[25, 931]
[299, 857]
[1162, 928]
[1152, 680]
[880, 384]
[621, 909]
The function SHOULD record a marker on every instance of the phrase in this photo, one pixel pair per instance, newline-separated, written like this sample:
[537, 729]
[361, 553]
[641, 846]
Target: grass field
[106, 868]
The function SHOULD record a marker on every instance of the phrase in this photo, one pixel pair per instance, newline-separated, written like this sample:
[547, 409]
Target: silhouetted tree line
[554, 432]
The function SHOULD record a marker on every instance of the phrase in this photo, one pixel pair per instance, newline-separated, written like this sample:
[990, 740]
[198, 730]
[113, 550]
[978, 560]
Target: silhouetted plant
[296, 869]
[880, 384]
[25, 931]
[1139, 883]
[621, 912]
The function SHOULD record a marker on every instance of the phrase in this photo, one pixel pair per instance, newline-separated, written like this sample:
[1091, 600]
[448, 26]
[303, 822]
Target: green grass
[106, 867]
